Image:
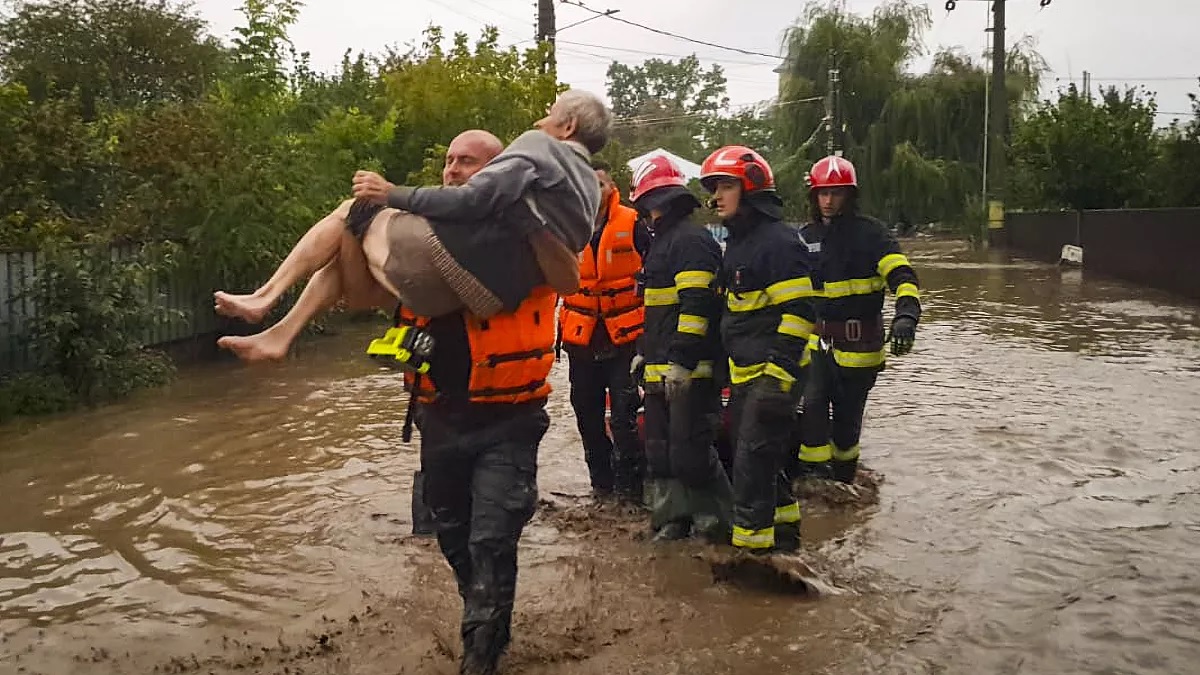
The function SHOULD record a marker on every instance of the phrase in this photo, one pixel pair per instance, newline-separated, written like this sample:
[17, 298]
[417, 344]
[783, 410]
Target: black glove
[904, 333]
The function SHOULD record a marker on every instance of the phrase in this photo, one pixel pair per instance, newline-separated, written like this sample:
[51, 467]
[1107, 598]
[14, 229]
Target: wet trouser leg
[589, 382]
[688, 486]
[693, 418]
[422, 519]
[762, 494]
[669, 516]
[481, 486]
[815, 447]
[627, 461]
[849, 402]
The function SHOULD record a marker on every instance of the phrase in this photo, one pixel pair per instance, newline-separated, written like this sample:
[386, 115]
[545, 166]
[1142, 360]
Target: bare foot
[255, 348]
[250, 308]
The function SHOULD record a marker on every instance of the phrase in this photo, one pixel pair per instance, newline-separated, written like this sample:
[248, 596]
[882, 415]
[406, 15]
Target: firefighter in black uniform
[854, 259]
[765, 329]
[686, 485]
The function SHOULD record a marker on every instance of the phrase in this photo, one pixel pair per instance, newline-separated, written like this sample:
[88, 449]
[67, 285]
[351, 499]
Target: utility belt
[407, 348]
[851, 330]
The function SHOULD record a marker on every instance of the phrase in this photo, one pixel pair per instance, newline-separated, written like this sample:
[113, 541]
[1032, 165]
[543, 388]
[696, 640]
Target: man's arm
[696, 268]
[497, 186]
[789, 288]
[895, 269]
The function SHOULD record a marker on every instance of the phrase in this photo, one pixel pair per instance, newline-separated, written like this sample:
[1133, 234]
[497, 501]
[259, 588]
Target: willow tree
[907, 133]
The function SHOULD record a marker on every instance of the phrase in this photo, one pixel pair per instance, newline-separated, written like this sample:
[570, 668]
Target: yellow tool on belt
[404, 347]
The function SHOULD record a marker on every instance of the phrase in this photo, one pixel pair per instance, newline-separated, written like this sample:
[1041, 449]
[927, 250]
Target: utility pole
[997, 125]
[546, 30]
[833, 125]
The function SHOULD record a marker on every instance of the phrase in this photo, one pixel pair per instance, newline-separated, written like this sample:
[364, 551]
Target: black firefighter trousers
[688, 483]
[766, 515]
[835, 400]
[613, 463]
[480, 472]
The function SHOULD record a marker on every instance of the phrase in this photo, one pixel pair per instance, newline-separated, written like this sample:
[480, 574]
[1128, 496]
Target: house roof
[689, 169]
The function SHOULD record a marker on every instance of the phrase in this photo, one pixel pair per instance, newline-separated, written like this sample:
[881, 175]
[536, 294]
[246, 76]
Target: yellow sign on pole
[995, 215]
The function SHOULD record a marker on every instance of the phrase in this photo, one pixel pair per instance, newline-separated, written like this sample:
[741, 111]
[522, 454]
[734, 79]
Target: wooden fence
[190, 309]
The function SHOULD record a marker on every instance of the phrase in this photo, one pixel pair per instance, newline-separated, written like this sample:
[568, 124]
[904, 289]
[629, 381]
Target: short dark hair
[601, 165]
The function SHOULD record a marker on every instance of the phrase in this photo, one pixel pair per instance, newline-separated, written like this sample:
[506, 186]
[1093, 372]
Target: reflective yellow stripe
[845, 455]
[859, 359]
[742, 374]
[746, 302]
[693, 279]
[657, 371]
[816, 454]
[785, 378]
[849, 287]
[790, 324]
[790, 289]
[787, 514]
[890, 262]
[908, 290]
[690, 323]
[660, 297]
[743, 538]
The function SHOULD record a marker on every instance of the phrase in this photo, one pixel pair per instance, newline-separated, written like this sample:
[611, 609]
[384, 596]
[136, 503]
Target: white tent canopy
[689, 169]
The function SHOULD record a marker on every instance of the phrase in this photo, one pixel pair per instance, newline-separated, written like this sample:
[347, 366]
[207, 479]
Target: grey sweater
[552, 178]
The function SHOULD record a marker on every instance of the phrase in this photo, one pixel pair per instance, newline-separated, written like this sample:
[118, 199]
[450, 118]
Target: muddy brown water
[1039, 514]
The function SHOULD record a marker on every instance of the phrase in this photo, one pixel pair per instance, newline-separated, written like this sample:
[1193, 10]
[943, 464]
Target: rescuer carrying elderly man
[480, 378]
[599, 326]
[854, 259]
[481, 246]
[765, 330]
[687, 487]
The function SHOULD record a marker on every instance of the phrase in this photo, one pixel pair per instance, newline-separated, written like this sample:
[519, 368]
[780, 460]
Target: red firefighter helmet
[740, 162]
[832, 171]
[656, 172]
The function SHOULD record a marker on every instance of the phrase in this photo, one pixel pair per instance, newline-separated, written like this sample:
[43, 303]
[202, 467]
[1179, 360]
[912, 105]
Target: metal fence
[1154, 247]
[189, 309]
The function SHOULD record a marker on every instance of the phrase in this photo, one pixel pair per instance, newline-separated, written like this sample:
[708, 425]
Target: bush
[93, 315]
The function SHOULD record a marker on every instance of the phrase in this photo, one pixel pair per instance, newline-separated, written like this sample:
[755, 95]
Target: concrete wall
[1155, 247]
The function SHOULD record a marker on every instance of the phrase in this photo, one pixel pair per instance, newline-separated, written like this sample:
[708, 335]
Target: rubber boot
[801, 470]
[673, 531]
[422, 517]
[670, 518]
[787, 538]
[844, 470]
[712, 507]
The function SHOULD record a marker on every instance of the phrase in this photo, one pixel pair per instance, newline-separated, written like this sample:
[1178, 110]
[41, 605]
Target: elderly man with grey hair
[482, 246]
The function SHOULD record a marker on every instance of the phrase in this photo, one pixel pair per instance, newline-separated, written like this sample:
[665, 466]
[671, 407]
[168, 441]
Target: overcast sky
[1146, 42]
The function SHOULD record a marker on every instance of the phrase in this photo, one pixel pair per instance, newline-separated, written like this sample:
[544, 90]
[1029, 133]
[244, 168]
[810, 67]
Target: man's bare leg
[346, 277]
[314, 250]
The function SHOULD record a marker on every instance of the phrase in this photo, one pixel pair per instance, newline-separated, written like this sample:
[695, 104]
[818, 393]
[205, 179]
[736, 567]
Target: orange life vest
[607, 284]
[511, 353]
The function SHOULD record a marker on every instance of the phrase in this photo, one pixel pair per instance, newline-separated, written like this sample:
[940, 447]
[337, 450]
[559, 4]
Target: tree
[1082, 153]
[1177, 180]
[665, 103]
[436, 93]
[931, 124]
[119, 52]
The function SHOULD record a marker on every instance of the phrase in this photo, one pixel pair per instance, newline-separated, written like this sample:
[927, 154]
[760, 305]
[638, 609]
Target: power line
[659, 118]
[676, 56]
[670, 34]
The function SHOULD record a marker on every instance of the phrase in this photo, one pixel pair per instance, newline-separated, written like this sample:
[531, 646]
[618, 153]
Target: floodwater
[1039, 514]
